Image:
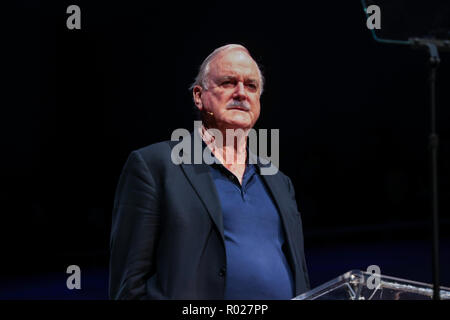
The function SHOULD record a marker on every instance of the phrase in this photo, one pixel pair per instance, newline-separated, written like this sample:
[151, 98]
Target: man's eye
[227, 83]
[251, 85]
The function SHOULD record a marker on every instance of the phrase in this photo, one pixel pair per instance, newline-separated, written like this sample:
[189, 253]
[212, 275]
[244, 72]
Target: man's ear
[197, 95]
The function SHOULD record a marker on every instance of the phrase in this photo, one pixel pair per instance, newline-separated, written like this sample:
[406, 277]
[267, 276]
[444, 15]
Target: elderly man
[208, 231]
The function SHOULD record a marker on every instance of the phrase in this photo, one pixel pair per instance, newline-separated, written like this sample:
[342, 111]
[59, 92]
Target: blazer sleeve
[134, 231]
[305, 268]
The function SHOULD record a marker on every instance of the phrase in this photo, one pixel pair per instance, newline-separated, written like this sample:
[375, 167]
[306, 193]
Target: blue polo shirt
[256, 264]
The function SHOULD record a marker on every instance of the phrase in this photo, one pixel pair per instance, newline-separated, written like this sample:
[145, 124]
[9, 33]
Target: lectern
[359, 285]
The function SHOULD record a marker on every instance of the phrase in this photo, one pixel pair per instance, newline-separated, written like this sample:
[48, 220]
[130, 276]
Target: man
[199, 231]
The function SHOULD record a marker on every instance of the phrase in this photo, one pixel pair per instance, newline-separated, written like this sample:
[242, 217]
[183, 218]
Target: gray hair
[202, 77]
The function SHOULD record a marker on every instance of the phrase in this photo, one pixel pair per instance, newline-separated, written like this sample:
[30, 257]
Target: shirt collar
[207, 139]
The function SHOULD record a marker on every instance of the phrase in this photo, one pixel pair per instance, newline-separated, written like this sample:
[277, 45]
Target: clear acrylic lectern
[359, 285]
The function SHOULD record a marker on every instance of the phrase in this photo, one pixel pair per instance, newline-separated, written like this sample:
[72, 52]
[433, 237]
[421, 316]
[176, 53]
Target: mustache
[241, 104]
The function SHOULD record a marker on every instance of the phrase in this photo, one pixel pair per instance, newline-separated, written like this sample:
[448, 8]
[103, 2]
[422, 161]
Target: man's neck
[231, 151]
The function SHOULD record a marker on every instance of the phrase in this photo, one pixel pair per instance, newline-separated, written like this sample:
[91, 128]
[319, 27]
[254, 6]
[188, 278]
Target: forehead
[235, 62]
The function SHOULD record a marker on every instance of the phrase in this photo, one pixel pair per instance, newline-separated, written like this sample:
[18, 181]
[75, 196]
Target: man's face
[233, 91]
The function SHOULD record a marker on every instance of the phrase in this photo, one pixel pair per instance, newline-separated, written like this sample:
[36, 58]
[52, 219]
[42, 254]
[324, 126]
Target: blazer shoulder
[159, 149]
[285, 177]
[156, 155]
[285, 180]
[278, 174]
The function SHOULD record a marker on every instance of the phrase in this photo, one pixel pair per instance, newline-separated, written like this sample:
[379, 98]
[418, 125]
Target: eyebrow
[251, 80]
[226, 78]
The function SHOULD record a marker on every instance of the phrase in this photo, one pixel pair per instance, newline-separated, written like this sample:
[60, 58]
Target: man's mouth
[238, 108]
[238, 105]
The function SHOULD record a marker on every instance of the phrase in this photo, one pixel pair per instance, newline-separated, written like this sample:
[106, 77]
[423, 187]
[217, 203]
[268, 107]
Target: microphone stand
[432, 46]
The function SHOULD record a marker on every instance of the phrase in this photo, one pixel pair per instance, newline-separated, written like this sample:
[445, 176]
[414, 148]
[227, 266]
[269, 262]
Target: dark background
[353, 118]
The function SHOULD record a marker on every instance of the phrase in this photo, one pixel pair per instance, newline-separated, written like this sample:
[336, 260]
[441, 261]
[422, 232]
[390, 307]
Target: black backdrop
[352, 114]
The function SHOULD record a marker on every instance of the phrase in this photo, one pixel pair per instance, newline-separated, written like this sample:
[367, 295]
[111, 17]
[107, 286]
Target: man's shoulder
[268, 168]
[155, 156]
[278, 174]
[158, 150]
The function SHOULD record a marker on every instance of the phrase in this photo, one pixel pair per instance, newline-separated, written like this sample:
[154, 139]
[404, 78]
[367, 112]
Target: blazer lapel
[203, 184]
[273, 182]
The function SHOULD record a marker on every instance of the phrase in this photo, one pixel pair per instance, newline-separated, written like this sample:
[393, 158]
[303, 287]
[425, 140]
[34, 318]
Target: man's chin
[239, 123]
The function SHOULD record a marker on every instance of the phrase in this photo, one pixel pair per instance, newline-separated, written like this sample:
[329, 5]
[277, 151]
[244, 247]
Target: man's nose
[239, 92]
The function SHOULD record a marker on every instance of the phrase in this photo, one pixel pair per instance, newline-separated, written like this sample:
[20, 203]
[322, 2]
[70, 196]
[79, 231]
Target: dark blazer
[167, 237]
